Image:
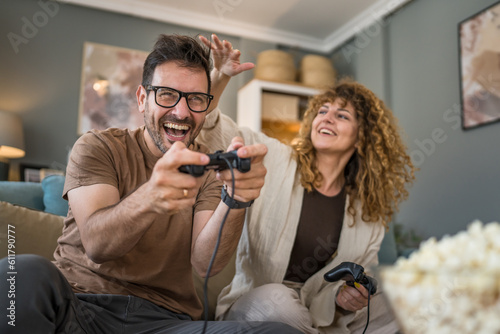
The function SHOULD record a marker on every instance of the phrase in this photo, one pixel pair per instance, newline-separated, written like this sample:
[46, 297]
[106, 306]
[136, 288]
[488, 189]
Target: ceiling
[318, 25]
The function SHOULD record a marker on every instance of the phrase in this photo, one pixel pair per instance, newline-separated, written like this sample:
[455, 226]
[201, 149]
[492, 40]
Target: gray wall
[364, 59]
[414, 64]
[459, 180]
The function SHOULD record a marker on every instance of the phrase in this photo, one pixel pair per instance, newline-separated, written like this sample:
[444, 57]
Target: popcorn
[449, 286]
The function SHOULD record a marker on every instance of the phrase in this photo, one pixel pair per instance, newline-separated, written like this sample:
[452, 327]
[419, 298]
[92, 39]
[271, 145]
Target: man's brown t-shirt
[158, 268]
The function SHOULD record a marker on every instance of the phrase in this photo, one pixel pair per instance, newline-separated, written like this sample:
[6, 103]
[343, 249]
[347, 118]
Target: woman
[327, 199]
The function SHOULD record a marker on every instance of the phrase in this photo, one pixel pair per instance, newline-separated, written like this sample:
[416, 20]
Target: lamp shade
[11, 135]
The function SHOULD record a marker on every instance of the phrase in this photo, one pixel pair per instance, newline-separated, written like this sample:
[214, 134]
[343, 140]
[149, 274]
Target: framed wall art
[110, 77]
[479, 43]
[479, 40]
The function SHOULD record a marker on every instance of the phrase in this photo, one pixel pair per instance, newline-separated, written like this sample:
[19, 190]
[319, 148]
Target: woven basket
[275, 65]
[317, 71]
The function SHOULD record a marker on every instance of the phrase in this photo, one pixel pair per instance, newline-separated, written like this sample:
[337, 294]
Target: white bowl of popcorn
[449, 286]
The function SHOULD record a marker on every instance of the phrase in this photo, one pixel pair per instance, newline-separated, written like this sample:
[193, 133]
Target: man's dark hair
[184, 50]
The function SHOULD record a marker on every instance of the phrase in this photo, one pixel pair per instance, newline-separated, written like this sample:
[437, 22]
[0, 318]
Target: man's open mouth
[176, 131]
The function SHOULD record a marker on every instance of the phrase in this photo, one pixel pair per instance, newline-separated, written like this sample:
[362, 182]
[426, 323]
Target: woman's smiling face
[335, 128]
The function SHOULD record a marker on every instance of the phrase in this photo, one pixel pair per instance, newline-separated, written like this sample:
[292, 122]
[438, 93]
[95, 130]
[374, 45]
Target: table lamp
[11, 141]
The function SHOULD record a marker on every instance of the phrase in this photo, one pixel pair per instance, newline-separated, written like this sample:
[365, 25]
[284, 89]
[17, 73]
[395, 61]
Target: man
[137, 226]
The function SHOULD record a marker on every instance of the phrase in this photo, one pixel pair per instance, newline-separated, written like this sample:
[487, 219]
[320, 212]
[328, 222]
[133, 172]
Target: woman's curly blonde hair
[379, 169]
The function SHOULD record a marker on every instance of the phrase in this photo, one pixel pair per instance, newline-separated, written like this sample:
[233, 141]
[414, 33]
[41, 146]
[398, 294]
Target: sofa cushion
[36, 232]
[28, 194]
[52, 186]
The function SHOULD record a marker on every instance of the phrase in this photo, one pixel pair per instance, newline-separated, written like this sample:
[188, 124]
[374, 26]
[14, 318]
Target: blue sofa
[35, 212]
[45, 196]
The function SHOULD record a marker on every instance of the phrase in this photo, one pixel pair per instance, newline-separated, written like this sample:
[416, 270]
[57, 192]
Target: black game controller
[352, 272]
[218, 162]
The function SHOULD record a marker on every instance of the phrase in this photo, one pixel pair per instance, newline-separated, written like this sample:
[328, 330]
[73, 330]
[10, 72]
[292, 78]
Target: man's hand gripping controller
[352, 272]
[218, 162]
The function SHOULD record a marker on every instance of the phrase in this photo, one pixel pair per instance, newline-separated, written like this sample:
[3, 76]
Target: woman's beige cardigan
[269, 232]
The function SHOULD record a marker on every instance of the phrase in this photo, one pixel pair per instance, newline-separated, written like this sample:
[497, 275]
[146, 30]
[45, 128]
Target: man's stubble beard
[156, 133]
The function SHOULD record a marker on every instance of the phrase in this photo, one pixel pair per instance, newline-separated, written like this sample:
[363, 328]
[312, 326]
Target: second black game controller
[218, 162]
[352, 273]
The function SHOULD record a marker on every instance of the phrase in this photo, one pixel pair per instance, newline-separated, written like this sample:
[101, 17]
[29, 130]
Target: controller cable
[368, 306]
[205, 285]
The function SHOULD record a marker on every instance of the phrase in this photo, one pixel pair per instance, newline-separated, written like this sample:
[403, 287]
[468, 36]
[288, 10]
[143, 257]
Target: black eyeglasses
[168, 98]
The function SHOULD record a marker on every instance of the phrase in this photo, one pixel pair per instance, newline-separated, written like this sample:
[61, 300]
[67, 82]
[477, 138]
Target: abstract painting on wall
[110, 77]
[479, 41]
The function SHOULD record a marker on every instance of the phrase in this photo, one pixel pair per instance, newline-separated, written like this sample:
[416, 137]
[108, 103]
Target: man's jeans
[36, 298]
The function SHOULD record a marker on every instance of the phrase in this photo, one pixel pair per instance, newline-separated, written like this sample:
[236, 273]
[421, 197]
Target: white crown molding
[225, 26]
[372, 17]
